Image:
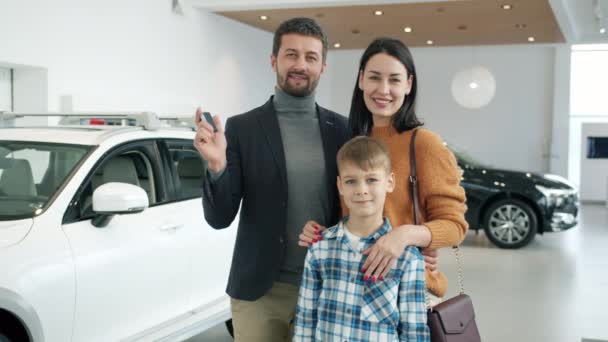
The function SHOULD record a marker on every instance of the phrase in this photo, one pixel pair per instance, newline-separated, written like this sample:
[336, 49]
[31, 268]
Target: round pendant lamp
[473, 87]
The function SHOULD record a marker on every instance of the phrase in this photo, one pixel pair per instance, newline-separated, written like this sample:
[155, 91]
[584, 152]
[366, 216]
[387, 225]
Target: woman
[383, 106]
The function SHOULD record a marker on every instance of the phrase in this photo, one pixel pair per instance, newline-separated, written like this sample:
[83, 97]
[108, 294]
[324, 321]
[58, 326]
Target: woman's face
[385, 84]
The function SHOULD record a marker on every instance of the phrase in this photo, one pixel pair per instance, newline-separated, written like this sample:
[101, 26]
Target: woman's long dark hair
[360, 120]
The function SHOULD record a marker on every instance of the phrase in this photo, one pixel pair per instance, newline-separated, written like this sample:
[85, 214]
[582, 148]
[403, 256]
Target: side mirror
[117, 199]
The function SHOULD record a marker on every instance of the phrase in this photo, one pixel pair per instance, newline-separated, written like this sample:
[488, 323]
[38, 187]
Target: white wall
[138, 55]
[594, 172]
[513, 131]
[30, 86]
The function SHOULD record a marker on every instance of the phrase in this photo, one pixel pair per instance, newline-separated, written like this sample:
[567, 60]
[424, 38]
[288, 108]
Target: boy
[335, 302]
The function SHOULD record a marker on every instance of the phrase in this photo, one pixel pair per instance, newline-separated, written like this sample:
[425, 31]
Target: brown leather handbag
[454, 319]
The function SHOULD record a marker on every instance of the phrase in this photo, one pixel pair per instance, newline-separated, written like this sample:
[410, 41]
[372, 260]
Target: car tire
[510, 223]
[230, 328]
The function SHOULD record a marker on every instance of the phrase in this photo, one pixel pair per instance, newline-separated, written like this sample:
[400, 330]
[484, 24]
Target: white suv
[102, 234]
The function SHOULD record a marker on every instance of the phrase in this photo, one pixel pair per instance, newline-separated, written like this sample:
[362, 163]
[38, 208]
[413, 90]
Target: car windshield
[31, 173]
[465, 158]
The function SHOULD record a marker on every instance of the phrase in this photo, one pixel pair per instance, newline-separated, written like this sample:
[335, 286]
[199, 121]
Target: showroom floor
[554, 290]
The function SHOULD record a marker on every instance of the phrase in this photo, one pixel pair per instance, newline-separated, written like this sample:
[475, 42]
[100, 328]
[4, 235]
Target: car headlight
[556, 197]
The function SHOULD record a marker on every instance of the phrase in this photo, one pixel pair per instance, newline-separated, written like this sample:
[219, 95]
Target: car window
[31, 173]
[188, 168]
[131, 167]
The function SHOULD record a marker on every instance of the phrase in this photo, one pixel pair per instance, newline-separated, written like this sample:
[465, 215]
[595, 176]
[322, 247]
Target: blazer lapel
[269, 125]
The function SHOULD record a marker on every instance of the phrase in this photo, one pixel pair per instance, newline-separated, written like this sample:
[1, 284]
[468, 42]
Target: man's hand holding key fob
[210, 140]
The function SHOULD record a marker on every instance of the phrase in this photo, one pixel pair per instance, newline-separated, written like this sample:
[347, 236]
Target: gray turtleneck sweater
[306, 177]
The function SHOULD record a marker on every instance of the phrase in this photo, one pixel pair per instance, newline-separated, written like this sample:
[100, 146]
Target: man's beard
[297, 91]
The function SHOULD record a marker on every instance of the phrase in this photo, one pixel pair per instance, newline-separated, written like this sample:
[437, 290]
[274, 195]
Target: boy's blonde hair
[366, 153]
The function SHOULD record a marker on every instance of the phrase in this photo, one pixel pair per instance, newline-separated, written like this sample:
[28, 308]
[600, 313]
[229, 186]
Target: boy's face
[364, 191]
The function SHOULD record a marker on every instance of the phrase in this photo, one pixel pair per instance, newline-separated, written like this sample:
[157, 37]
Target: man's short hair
[303, 26]
[366, 153]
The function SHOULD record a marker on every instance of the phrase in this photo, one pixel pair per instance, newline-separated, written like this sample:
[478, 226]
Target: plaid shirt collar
[337, 231]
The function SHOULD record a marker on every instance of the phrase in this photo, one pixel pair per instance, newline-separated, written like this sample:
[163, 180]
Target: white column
[559, 156]
[5, 89]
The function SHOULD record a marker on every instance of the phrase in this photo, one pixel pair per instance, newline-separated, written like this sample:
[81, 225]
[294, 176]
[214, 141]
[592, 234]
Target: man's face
[298, 64]
[364, 191]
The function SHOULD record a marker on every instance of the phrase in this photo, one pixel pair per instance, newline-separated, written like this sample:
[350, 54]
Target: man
[280, 160]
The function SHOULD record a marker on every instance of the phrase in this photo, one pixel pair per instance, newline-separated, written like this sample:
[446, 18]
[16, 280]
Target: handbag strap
[414, 190]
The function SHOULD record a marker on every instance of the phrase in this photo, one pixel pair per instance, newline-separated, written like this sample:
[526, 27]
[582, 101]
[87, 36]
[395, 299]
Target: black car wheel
[230, 328]
[510, 223]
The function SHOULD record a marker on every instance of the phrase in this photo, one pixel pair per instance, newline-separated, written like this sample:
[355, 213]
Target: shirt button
[352, 279]
[348, 311]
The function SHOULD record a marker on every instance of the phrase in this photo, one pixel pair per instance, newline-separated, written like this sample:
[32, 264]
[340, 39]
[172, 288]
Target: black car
[512, 207]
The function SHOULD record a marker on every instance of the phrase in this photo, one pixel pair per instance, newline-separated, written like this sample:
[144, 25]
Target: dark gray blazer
[256, 174]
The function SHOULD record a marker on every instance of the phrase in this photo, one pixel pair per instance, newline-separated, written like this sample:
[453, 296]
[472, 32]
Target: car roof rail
[179, 122]
[147, 120]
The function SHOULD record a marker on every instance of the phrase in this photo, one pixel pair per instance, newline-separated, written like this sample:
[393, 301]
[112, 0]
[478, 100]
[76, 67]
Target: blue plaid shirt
[335, 304]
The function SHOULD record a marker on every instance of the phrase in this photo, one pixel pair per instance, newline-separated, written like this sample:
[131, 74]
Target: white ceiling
[576, 18]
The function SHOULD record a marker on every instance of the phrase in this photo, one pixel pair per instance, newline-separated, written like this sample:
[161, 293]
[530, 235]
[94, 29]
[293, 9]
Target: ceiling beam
[241, 5]
[565, 17]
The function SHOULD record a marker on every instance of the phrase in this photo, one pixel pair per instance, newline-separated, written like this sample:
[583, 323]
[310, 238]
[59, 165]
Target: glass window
[189, 168]
[31, 173]
[588, 80]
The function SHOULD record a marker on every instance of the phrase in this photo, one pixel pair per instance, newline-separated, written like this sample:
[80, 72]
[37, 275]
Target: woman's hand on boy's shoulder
[311, 233]
[382, 257]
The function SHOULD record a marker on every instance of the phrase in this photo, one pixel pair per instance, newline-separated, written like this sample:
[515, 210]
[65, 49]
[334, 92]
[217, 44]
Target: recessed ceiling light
[507, 6]
[264, 17]
[429, 42]
[602, 30]
[531, 39]
[407, 29]
[337, 45]
[378, 13]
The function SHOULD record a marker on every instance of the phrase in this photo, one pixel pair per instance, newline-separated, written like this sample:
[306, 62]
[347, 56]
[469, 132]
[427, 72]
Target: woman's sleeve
[442, 198]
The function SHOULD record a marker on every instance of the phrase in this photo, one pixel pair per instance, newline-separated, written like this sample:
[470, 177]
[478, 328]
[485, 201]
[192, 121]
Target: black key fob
[209, 119]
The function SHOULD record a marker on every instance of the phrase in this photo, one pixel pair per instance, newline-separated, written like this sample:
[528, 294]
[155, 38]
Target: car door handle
[170, 227]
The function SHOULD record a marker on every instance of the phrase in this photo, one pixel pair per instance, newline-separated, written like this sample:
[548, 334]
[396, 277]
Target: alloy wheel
[509, 223]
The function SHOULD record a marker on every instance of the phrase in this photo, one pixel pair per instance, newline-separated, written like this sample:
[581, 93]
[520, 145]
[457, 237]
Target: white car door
[210, 249]
[131, 275]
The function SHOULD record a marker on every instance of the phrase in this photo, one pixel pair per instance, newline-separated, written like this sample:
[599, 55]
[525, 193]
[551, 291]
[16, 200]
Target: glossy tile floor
[554, 290]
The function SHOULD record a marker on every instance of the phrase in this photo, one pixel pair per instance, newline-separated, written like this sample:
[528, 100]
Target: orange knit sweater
[441, 198]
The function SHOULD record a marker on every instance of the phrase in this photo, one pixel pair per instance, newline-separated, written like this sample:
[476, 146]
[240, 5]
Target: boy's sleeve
[412, 301]
[310, 290]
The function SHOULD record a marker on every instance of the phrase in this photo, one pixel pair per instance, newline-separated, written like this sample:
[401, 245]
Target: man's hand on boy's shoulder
[311, 233]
